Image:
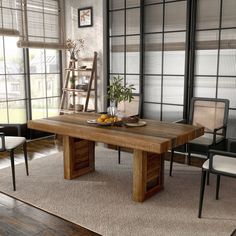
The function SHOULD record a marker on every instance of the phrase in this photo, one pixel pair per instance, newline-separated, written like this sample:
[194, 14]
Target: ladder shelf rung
[74, 69]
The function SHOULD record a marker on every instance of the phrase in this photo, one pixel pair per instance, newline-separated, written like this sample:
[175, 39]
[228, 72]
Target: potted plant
[73, 47]
[118, 92]
[72, 82]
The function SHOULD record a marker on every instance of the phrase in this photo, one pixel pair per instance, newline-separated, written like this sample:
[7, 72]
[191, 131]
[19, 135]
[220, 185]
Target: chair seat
[222, 163]
[13, 142]
[206, 139]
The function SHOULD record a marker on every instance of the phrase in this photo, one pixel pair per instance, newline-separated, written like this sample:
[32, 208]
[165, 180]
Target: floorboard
[19, 218]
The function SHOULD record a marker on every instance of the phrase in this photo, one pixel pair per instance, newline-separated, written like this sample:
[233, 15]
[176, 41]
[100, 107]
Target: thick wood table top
[156, 136]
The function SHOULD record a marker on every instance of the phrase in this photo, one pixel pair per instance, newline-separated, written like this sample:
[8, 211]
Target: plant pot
[72, 86]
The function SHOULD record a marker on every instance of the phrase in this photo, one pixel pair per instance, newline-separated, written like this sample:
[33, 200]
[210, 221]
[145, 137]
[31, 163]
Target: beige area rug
[101, 201]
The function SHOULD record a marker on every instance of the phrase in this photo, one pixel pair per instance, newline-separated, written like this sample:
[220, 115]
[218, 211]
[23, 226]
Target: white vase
[112, 109]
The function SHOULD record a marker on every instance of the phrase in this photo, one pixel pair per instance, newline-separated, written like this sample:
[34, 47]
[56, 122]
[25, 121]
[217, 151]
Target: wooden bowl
[82, 67]
[130, 119]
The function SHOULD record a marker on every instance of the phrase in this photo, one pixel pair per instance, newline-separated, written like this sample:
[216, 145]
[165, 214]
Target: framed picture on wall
[85, 17]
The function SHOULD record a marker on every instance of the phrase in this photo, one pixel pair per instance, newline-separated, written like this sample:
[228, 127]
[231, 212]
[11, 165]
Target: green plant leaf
[119, 92]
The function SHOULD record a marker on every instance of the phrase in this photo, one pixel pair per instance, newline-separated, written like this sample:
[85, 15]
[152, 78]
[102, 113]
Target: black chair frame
[211, 170]
[11, 151]
[202, 149]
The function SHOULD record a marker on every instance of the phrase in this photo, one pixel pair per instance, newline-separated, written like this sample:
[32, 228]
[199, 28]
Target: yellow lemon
[104, 116]
[99, 120]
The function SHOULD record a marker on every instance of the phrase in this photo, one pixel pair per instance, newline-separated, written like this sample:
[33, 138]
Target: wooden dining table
[149, 143]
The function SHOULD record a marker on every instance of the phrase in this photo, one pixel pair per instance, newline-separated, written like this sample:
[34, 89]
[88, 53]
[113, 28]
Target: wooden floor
[35, 149]
[20, 219]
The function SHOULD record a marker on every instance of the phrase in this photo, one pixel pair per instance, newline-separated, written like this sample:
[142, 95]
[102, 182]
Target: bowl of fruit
[106, 120]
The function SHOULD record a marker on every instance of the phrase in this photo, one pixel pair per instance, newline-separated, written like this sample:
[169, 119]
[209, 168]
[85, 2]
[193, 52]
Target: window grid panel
[13, 100]
[218, 78]
[214, 72]
[171, 49]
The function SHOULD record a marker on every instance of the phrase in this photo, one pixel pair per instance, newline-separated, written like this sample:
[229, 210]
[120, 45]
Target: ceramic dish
[92, 121]
[137, 124]
[100, 123]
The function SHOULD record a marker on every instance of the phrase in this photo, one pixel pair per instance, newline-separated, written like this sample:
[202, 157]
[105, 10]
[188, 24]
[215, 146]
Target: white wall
[94, 37]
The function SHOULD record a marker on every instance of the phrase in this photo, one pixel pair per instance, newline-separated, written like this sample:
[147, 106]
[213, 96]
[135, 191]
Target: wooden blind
[42, 24]
[10, 15]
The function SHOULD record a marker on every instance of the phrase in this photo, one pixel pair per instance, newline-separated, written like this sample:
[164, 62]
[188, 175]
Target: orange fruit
[104, 116]
[99, 120]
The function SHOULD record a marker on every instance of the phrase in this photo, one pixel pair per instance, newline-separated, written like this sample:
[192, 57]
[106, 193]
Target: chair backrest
[11, 129]
[211, 113]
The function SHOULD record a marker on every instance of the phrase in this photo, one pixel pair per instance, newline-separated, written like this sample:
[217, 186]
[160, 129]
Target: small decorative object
[72, 82]
[71, 107]
[82, 67]
[79, 107]
[73, 47]
[118, 92]
[85, 17]
[83, 87]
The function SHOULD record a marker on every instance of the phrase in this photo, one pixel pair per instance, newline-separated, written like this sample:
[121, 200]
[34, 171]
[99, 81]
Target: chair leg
[118, 155]
[13, 169]
[202, 189]
[189, 158]
[208, 173]
[171, 161]
[217, 187]
[208, 178]
[26, 158]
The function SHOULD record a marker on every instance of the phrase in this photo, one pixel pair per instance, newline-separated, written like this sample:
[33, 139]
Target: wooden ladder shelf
[82, 90]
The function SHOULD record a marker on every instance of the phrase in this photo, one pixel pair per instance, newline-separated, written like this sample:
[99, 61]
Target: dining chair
[119, 148]
[9, 144]
[212, 114]
[133, 109]
[220, 163]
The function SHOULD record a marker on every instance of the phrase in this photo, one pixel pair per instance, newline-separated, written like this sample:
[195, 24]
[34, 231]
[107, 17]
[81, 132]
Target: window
[173, 54]
[12, 82]
[150, 53]
[164, 60]
[124, 37]
[45, 82]
[215, 70]
[30, 79]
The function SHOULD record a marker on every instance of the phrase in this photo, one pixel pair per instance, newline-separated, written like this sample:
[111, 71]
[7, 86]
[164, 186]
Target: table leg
[78, 157]
[148, 174]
